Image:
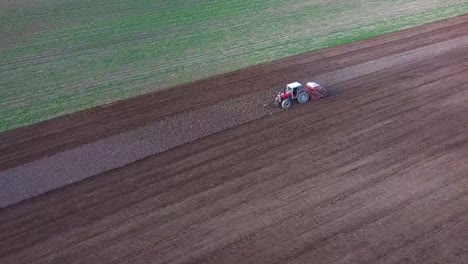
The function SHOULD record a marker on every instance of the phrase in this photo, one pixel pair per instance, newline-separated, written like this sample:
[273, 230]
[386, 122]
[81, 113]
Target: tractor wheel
[286, 103]
[303, 97]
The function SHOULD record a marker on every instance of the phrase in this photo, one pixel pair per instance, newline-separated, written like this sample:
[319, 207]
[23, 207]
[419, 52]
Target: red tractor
[297, 92]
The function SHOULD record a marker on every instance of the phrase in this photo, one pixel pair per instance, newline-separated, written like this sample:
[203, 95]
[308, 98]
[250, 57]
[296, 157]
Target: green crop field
[60, 56]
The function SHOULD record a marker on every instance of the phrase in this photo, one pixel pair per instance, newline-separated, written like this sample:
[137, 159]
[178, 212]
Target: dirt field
[376, 173]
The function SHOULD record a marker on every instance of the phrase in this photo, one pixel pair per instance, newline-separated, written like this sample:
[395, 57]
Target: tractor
[297, 92]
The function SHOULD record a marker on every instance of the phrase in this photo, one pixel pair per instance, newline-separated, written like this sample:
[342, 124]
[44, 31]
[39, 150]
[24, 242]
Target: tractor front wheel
[286, 103]
[303, 97]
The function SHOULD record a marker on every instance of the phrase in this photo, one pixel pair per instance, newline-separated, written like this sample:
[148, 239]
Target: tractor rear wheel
[286, 103]
[303, 97]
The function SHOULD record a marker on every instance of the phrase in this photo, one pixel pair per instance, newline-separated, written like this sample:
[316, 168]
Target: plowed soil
[375, 173]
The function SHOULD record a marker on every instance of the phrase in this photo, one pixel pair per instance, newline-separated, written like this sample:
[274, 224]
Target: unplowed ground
[375, 173]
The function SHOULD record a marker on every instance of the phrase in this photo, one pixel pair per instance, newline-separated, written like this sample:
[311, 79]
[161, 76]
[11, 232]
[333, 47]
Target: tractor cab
[293, 88]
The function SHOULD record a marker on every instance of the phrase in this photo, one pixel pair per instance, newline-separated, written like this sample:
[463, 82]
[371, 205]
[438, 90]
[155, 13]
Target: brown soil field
[375, 173]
